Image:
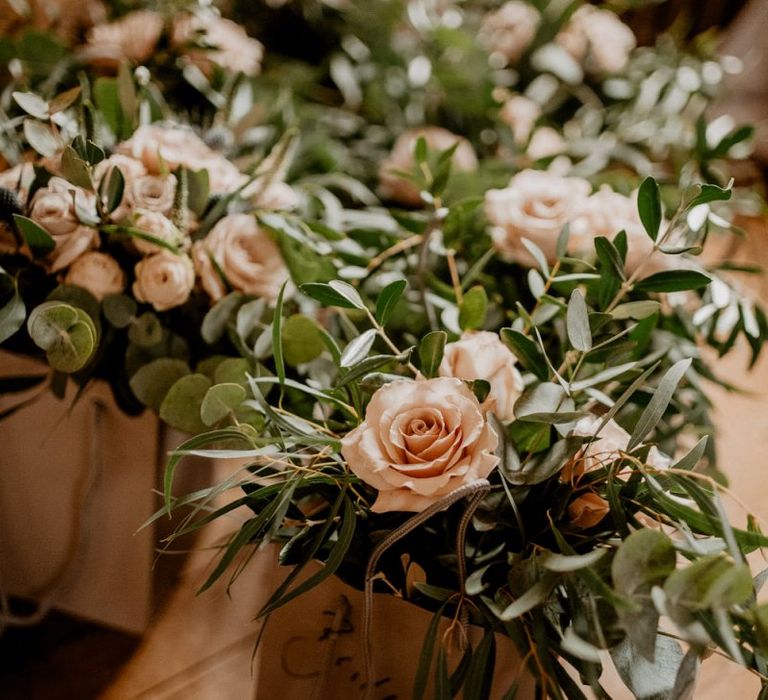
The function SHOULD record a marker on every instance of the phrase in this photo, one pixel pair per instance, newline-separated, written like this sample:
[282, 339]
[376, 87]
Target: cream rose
[395, 187]
[152, 192]
[419, 441]
[66, 18]
[510, 30]
[131, 170]
[277, 196]
[482, 355]
[520, 114]
[597, 38]
[223, 175]
[157, 225]
[244, 252]
[610, 443]
[227, 43]
[99, 273]
[132, 37]
[536, 205]
[53, 208]
[164, 280]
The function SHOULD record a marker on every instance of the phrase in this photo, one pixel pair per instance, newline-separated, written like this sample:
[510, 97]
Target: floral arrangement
[480, 287]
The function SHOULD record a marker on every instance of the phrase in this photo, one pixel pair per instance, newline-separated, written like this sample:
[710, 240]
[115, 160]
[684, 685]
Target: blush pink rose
[245, 254]
[605, 213]
[394, 186]
[133, 37]
[99, 273]
[536, 205]
[227, 43]
[53, 208]
[420, 441]
[164, 280]
[520, 114]
[597, 38]
[510, 30]
[482, 355]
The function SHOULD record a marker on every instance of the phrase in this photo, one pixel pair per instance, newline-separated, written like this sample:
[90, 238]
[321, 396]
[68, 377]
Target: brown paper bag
[312, 648]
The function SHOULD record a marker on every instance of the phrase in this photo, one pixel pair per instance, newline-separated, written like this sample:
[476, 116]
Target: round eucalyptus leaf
[233, 370]
[221, 401]
[181, 405]
[146, 330]
[151, 383]
[119, 309]
[66, 333]
[301, 340]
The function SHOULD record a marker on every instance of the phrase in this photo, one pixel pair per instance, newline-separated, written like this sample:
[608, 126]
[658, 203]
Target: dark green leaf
[431, 350]
[526, 351]
[326, 295]
[649, 207]
[37, 238]
[473, 309]
[673, 281]
[710, 193]
[388, 299]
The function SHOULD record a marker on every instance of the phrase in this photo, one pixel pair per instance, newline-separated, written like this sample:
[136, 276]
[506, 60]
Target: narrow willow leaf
[580, 648]
[442, 690]
[534, 596]
[601, 377]
[332, 563]
[565, 563]
[358, 348]
[658, 404]
[673, 281]
[577, 318]
[690, 460]
[388, 299]
[473, 309]
[431, 352]
[479, 679]
[649, 207]
[369, 365]
[425, 657]
[64, 100]
[277, 336]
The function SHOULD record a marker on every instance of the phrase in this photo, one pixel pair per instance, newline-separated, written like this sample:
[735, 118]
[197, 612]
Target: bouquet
[461, 358]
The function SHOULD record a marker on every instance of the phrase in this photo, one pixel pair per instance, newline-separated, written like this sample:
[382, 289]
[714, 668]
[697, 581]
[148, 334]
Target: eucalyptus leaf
[151, 383]
[220, 401]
